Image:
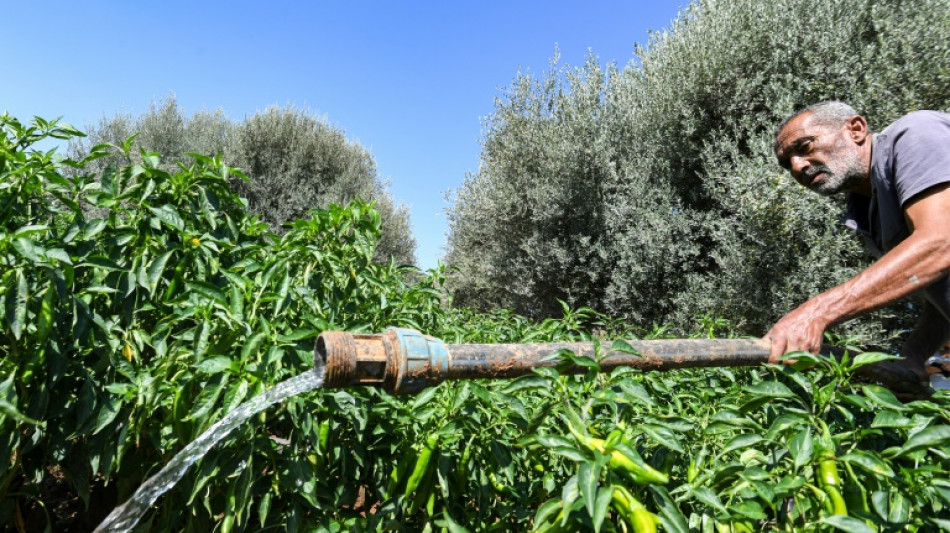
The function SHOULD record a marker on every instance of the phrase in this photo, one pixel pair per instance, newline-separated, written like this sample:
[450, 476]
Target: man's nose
[799, 165]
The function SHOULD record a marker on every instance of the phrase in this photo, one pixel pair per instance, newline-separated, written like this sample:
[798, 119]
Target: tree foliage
[650, 191]
[295, 161]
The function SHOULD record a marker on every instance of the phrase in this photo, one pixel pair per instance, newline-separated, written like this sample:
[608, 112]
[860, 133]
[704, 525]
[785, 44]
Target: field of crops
[141, 306]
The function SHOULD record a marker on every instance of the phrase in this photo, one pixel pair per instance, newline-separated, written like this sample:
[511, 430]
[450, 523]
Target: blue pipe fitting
[424, 361]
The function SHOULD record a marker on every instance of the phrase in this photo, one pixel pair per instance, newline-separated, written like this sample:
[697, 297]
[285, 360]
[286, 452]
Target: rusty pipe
[404, 361]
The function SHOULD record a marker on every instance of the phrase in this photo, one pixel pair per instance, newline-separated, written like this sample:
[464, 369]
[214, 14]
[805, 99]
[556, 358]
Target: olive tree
[294, 160]
[650, 190]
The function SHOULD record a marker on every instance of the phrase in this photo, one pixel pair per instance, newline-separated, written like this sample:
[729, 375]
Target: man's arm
[918, 261]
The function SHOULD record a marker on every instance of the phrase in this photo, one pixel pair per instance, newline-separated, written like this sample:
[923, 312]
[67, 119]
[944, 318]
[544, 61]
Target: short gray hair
[828, 113]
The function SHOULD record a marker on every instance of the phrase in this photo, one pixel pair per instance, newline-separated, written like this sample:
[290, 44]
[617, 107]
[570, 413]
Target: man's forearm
[912, 265]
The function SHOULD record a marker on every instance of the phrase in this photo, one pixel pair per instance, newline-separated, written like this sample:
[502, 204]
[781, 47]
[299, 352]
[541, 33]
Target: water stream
[124, 517]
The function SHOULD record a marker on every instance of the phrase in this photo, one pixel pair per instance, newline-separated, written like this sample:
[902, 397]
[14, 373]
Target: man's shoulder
[918, 120]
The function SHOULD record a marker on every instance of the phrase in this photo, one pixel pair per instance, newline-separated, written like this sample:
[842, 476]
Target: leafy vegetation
[295, 162]
[141, 305]
[650, 190]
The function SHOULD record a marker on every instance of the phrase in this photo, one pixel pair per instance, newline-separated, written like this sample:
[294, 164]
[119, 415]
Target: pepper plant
[141, 305]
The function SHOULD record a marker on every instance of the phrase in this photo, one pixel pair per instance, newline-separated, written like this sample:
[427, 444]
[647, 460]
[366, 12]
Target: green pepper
[830, 482]
[462, 468]
[837, 502]
[422, 464]
[424, 492]
[643, 521]
[854, 492]
[323, 435]
[175, 282]
[430, 503]
[639, 518]
[629, 462]
[828, 469]
[45, 323]
[696, 465]
[554, 526]
[398, 474]
[496, 483]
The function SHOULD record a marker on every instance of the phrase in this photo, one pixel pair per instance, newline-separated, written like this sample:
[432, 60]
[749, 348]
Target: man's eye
[804, 147]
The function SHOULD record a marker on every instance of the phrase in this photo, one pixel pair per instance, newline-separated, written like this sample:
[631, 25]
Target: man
[898, 193]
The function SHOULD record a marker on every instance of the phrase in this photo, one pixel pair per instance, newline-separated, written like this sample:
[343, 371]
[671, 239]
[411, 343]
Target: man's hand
[915, 263]
[801, 330]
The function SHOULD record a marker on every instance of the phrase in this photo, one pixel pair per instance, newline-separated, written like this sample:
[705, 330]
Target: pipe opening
[320, 353]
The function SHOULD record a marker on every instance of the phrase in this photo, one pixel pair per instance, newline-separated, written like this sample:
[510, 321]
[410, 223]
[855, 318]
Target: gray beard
[835, 183]
[851, 171]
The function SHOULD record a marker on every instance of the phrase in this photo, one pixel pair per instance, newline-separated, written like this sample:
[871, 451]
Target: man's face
[821, 157]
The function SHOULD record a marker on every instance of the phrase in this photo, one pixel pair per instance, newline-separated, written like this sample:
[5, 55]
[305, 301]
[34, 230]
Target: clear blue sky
[410, 81]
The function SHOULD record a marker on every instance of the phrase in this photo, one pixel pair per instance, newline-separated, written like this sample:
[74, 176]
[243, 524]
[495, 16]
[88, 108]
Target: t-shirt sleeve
[921, 153]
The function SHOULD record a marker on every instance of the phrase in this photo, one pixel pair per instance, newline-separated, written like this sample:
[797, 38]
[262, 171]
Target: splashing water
[124, 517]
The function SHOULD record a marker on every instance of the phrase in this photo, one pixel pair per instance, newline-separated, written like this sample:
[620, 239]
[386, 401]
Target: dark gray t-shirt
[908, 157]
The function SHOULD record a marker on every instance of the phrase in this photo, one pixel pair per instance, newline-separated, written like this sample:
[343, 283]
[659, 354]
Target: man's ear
[857, 128]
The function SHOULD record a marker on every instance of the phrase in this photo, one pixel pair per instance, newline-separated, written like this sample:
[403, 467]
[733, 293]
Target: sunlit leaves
[128, 332]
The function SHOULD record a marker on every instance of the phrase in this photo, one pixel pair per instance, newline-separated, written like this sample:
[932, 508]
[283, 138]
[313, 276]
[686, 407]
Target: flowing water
[125, 516]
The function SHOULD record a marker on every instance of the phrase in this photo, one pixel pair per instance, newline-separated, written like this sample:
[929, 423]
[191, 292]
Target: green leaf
[155, 270]
[869, 358]
[253, 345]
[570, 493]
[588, 479]
[26, 231]
[103, 263]
[297, 335]
[801, 447]
[749, 509]
[169, 216]
[93, 228]
[16, 307]
[552, 441]
[785, 422]
[208, 291]
[931, 437]
[108, 410]
[869, 461]
[202, 336]
[282, 292]
[527, 382]
[547, 510]
[623, 346]
[663, 436]
[708, 497]
[98, 289]
[264, 507]
[883, 397]
[636, 391]
[770, 389]
[237, 301]
[27, 249]
[944, 525]
[846, 523]
[570, 452]
[8, 401]
[213, 365]
[207, 397]
[601, 505]
[892, 419]
[671, 517]
[742, 441]
[425, 397]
